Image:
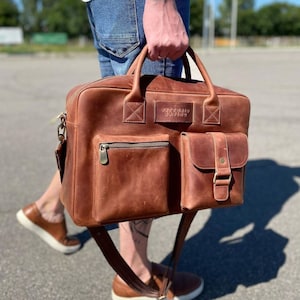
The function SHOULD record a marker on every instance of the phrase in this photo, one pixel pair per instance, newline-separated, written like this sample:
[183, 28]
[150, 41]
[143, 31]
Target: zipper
[104, 147]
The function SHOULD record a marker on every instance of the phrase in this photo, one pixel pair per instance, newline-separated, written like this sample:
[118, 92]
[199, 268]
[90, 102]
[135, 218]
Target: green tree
[196, 17]
[29, 15]
[247, 23]
[9, 14]
[245, 13]
[64, 16]
[278, 19]
[55, 16]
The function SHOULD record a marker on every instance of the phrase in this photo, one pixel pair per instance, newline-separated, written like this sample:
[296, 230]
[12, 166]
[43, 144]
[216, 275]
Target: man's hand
[164, 30]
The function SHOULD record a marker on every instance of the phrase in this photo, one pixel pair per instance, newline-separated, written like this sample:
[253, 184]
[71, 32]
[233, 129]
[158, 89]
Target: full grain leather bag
[148, 146]
[140, 146]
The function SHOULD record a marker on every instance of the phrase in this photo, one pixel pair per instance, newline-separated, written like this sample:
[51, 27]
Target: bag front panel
[97, 108]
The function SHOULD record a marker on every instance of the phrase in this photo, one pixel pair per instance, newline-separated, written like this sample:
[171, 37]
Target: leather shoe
[185, 286]
[54, 234]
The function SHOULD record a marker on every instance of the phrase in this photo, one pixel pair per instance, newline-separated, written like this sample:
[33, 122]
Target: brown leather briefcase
[139, 146]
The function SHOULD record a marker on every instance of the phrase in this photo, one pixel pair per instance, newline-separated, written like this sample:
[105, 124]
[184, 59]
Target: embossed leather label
[173, 112]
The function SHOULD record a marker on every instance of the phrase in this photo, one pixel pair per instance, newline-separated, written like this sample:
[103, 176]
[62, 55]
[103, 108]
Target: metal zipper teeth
[104, 147]
[135, 144]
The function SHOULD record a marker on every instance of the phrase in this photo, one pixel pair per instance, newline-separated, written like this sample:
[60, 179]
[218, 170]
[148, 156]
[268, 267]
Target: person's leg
[49, 203]
[119, 45]
[117, 49]
[133, 246]
[45, 217]
[115, 56]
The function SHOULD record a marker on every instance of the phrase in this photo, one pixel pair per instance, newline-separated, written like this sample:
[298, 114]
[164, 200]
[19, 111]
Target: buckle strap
[223, 176]
[183, 228]
[116, 261]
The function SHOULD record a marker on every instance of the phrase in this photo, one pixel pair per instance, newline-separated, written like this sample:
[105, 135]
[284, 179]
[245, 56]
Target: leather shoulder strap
[112, 255]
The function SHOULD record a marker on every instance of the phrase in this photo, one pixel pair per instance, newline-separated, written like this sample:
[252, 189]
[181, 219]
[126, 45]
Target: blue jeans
[117, 27]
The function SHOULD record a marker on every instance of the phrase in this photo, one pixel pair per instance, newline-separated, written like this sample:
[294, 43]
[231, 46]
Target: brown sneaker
[54, 234]
[185, 286]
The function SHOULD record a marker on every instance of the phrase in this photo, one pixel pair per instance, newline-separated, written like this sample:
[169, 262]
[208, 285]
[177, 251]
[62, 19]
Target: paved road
[249, 252]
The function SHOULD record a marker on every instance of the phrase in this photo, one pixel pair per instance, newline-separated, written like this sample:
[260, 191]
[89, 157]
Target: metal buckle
[61, 128]
[222, 178]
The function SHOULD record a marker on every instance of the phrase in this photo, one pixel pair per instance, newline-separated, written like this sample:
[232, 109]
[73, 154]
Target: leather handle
[135, 103]
[186, 67]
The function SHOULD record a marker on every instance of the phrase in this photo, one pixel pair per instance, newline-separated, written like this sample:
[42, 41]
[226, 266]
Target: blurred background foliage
[279, 19]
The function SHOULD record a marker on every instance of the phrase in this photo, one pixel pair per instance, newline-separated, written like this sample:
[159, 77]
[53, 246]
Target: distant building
[11, 35]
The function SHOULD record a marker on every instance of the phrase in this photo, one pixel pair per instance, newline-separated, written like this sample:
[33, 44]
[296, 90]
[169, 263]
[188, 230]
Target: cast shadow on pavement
[235, 246]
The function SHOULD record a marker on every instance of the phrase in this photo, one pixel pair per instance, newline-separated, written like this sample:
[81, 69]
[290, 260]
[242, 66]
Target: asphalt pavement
[248, 252]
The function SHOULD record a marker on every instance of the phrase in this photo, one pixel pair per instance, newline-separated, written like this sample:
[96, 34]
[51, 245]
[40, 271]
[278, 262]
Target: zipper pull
[103, 154]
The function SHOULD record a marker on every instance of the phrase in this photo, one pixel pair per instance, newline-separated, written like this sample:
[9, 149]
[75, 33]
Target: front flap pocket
[213, 166]
[131, 177]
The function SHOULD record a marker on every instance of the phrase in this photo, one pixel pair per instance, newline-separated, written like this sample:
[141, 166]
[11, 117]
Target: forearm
[164, 29]
[161, 3]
